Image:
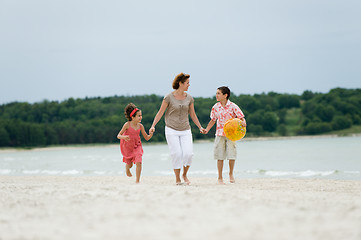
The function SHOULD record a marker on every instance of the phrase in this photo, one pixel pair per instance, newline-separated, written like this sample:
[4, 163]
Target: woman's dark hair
[129, 109]
[225, 90]
[180, 78]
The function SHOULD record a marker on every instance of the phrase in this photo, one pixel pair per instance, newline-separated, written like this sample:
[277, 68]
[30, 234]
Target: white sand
[116, 208]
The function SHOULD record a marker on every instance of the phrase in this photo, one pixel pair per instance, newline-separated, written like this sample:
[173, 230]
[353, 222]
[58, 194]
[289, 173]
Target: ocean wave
[196, 173]
[164, 173]
[8, 159]
[5, 171]
[306, 173]
[204, 172]
[74, 172]
[51, 172]
[199, 173]
[269, 173]
[31, 172]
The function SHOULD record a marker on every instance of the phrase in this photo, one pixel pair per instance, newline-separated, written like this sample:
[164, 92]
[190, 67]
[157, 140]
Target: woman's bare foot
[231, 178]
[186, 180]
[220, 181]
[178, 183]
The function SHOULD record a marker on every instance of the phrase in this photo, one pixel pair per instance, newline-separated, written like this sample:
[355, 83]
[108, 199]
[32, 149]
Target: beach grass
[355, 129]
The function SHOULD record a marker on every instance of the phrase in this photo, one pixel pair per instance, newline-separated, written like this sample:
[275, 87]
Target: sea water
[325, 157]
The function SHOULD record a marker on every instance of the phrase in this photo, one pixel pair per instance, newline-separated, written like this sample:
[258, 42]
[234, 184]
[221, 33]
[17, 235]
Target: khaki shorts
[224, 149]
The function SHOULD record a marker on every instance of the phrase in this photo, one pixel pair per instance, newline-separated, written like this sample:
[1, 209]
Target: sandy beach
[43, 207]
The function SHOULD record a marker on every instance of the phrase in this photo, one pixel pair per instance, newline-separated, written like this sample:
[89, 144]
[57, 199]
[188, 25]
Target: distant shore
[301, 137]
[49, 207]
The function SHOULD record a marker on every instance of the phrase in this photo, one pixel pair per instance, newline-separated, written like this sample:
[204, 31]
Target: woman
[178, 133]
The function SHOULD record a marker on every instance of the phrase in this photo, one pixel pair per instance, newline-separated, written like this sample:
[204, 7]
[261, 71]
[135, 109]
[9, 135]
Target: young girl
[130, 144]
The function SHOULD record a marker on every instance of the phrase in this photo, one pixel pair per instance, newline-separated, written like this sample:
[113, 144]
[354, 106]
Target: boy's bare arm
[209, 126]
[243, 122]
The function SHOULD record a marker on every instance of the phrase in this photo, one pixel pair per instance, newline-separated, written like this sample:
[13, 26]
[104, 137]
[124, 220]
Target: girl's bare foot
[127, 171]
[186, 180]
[231, 178]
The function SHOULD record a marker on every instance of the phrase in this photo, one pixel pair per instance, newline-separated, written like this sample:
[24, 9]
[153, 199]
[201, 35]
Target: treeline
[98, 120]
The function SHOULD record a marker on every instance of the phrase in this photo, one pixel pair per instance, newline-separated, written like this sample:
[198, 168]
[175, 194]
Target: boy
[224, 148]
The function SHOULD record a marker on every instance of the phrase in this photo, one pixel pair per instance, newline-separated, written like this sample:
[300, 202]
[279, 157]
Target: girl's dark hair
[225, 90]
[128, 110]
[180, 78]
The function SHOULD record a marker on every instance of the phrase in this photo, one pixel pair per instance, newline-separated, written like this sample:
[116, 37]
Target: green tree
[317, 128]
[307, 95]
[282, 130]
[288, 101]
[255, 129]
[98, 120]
[270, 122]
[4, 137]
[325, 112]
[341, 122]
[282, 116]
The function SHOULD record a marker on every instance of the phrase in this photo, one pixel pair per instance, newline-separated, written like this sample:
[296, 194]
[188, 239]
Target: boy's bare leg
[138, 171]
[185, 170]
[231, 167]
[220, 171]
[127, 169]
[177, 176]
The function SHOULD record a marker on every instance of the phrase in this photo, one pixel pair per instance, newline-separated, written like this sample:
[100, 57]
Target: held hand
[151, 130]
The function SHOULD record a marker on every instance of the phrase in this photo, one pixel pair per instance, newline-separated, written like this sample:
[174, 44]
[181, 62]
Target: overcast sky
[56, 49]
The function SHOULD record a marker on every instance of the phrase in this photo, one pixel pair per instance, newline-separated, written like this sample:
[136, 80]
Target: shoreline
[302, 137]
[43, 207]
[73, 146]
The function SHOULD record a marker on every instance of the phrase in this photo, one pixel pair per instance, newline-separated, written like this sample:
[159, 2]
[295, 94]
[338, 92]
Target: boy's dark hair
[225, 90]
[129, 109]
[182, 77]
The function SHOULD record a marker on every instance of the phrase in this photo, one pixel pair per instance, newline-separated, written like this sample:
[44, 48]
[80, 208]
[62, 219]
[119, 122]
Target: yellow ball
[234, 130]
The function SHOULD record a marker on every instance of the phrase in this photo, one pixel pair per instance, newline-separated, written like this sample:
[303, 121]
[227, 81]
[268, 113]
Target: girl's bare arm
[120, 134]
[144, 133]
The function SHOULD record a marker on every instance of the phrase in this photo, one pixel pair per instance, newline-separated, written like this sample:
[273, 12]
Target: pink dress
[132, 150]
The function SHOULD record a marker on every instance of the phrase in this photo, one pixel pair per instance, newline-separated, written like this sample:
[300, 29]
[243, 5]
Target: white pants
[180, 145]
